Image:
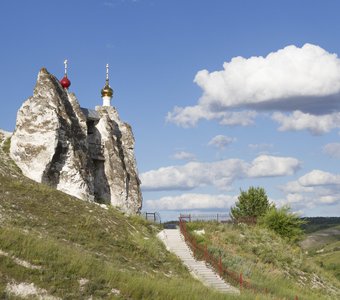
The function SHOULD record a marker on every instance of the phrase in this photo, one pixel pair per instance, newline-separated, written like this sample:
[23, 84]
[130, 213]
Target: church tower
[107, 91]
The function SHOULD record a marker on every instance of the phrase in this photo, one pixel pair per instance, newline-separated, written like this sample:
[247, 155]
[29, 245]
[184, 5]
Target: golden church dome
[107, 90]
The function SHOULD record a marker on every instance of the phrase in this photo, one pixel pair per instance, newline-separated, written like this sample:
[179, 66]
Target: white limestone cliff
[87, 156]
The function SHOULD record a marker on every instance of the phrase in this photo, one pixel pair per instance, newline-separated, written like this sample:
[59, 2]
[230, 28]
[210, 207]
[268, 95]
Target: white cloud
[299, 197]
[295, 187]
[318, 178]
[313, 189]
[305, 81]
[191, 201]
[265, 165]
[332, 149]
[329, 199]
[183, 155]
[241, 118]
[220, 174]
[190, 115]
[194, 174]
[221, 141]
[293, 198]
[287, 73]
[306, 121]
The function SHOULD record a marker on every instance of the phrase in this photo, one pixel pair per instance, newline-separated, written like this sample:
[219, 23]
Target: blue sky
[270, 118]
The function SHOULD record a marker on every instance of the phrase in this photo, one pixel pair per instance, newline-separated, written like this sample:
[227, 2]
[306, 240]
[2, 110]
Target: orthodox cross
[107, 73]
[65, 63]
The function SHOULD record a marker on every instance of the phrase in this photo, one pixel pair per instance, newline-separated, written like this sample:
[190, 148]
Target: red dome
[65, 82]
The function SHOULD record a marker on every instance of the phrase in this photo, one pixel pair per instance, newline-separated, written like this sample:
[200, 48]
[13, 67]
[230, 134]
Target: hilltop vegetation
[267, 261]
[253, 207]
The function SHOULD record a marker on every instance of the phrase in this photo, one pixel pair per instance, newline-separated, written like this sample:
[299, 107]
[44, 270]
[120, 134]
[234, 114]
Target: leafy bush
[283, 222]
[251, 204]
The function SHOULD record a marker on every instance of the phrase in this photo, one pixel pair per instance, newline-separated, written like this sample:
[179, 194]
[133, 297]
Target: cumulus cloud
[329, 199]
[183, 155]
[221, 141]
[266, 165]
[194, 174]
[191, 201]
[241, 118]
[306, 121]
[220, 174]
[332, 149]
[294, 198]
[314, 188]
[190, 115]
[284, 76]
[318, 178]
[294, 187]
[305, 81]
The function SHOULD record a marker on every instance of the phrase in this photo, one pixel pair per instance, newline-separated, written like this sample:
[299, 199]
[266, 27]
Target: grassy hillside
[54, 246]
[267, 261]
[323, 248]
[58, 247]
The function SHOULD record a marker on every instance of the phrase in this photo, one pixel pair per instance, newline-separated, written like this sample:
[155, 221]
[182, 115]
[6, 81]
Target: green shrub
[251, 204]
[283, 222]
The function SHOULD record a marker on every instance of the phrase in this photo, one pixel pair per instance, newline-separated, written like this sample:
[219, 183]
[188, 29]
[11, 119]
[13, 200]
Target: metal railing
[202, 253]
[152, 216]
[222, 218]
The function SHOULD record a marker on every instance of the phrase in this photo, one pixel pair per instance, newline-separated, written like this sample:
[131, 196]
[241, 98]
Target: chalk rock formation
[85, 153]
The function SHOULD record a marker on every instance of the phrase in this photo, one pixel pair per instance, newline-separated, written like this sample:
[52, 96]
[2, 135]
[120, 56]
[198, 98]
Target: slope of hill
[55, 246]
[318, 223]
[323, 248]
[266, 261]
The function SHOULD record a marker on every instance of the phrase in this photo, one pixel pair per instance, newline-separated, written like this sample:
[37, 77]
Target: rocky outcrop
[87, 154]
[118, 146]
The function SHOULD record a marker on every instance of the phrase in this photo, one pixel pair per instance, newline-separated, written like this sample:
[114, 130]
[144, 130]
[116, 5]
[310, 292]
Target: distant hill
[323, 248]
[318, 223]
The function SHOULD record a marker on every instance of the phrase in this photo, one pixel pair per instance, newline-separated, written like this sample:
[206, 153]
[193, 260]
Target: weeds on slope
[266, 260]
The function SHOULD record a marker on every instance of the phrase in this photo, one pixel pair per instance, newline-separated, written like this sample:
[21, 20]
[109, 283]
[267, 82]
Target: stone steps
[175, 243]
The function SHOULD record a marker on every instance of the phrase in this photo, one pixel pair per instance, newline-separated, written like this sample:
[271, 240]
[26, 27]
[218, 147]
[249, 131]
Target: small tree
[251, 204]
[283, 222]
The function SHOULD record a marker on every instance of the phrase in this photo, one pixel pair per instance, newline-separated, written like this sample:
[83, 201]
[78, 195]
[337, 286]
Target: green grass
[6, 145]
[327, 254]
[267, 261]
[70, 240]
[329, 261]
[64, 265]
[318, 239]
